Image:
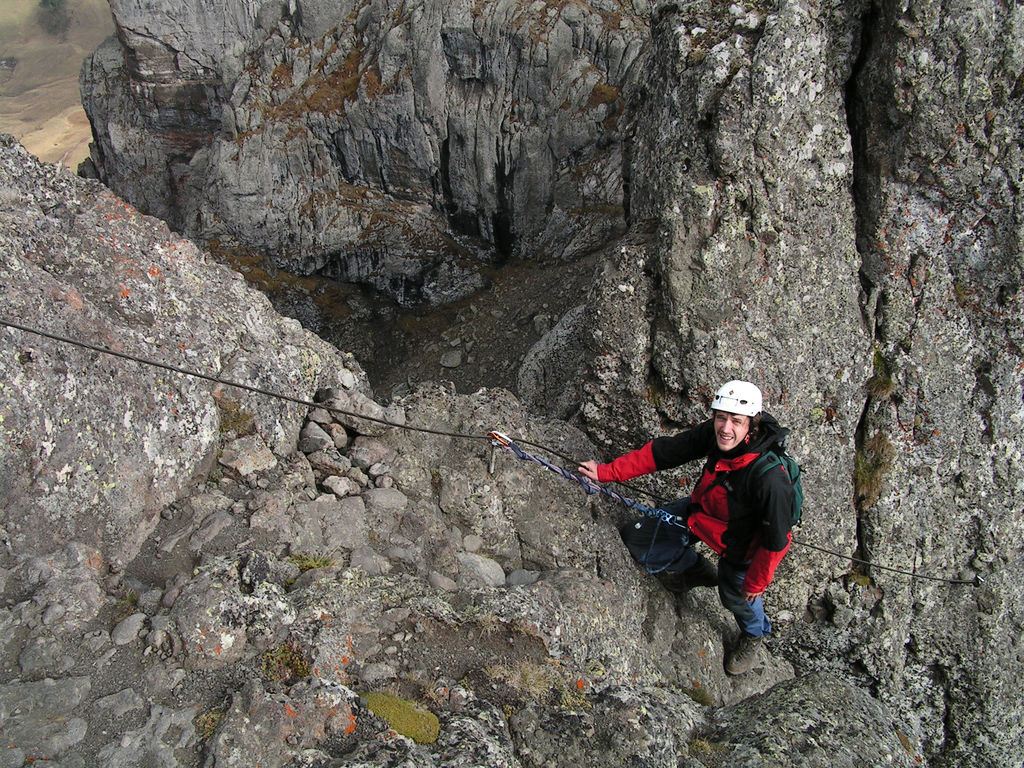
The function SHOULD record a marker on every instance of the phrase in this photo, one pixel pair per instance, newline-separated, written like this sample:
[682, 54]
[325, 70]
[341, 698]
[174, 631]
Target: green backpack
[773, 457]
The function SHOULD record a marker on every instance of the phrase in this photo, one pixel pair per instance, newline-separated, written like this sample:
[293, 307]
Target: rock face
[351, 548]
[401, 144]
[109, 443]
[833, 196]
[824, 197]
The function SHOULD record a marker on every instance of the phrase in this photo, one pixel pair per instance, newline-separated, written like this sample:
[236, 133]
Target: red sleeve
[762, 567]
[633, 464]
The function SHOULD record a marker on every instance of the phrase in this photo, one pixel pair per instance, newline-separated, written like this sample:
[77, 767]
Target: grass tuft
[872, 463]
[286, 663]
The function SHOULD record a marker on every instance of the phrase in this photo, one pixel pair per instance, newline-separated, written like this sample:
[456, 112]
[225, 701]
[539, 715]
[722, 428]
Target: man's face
[730, 429]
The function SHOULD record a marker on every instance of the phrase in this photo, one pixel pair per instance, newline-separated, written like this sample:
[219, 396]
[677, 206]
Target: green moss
[307, 562]
[603, 93]
[208, 721]
[234, 418]
[405, 717]
[126, 605]
[881, 384]
[708, 752]
[700, 695]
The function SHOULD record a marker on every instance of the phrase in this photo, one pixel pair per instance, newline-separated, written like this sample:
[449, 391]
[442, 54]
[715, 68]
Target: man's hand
[589, 470]
[752, 596]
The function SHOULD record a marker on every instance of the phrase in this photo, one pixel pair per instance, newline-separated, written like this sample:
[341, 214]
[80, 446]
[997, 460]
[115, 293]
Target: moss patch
[234, 418]
[307, 562]
[405, 717]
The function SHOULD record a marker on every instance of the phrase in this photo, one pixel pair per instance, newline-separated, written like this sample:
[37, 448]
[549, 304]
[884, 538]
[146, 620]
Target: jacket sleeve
[762, 568]
[632, 464]
[661, 453]
[690, 444]
[775, 496]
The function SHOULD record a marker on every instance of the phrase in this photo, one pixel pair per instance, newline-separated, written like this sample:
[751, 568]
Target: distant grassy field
[40, 57]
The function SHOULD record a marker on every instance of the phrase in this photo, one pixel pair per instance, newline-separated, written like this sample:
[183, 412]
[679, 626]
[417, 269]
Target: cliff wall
[823, 197]
[371, 141]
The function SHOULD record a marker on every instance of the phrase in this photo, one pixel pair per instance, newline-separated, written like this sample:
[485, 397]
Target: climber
[745, 519]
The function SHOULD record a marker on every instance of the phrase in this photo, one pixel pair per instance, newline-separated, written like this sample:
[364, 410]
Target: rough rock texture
[939, 125]
[771, 729]
[820, 196]
[367, 140]
[355, 556]
[832, 208]
[109, 443]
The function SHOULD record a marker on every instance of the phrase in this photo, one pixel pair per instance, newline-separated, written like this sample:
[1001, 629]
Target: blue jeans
[750, 615]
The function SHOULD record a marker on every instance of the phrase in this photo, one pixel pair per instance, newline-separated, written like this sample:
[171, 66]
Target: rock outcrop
[834, 202]
[80, 262]
[823, 197]
[325, 555]
[402, 144]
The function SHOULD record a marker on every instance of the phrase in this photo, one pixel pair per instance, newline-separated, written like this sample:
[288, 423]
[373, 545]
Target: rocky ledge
[194, 575]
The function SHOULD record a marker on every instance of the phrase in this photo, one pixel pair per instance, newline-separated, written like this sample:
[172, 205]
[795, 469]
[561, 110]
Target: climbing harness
[497, 439]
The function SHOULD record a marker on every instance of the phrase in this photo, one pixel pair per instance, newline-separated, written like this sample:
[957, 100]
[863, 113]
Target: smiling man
[742, 515]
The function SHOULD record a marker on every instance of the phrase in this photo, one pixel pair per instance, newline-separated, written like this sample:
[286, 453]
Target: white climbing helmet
[738, 397]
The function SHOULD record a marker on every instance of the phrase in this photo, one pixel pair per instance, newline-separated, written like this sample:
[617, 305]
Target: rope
[976, 581]
[496, 438]
[229, 383]
[664, 516]
[499, 439]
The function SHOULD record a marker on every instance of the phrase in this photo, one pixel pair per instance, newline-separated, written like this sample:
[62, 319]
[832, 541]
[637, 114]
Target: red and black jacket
[745, 519]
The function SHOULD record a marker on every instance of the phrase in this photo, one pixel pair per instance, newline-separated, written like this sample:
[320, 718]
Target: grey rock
[376, 673]
[313, 438]
[522, 114]
[384, 506]
[160, 430]
[328, 524]
[841, 716]
[822, 196]
[521, 578]
[338, 434]
[209, 530]
[45, 656]
[451, 359]
[341, 486]
[128, 629]
[367, 560]
[39, 717]
[652, 727]
[441, 581]
[247, 455]
[121, 703]
[299, 718]
[329, 461]
[166, 731]
[366, 452]
[477, 569]
[550, 377]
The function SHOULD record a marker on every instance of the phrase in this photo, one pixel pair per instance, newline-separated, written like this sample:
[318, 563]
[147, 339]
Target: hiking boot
[673, 581]
[703, 573]
[742, 657]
